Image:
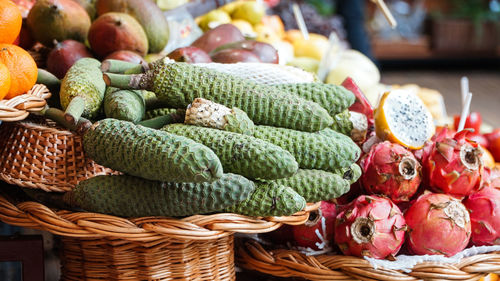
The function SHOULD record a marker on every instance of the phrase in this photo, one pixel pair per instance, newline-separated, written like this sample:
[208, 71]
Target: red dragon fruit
[316, 234]
[391, 170]
[452, 165]
[361, 105]
[484, 208]
[437, 224]
[370, 226]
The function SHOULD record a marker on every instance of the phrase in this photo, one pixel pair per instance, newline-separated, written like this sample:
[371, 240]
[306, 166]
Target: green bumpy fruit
[312, 150]
[84, 79]
[351, 173]
[270, 199]
[239, 122]
[333, 98]
[178, 84]
[241, 154]
[128, 196]
[316, 185]
[150, 114]
[127, 105]
[149, 153]
[342, 123]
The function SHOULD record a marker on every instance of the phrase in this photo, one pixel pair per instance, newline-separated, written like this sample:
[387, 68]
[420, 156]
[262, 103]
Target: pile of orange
[18, 71]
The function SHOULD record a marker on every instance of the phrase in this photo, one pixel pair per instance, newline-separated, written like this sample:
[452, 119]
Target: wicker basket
[37, 154]
[18, 108]
[288, 263]
[103, 247]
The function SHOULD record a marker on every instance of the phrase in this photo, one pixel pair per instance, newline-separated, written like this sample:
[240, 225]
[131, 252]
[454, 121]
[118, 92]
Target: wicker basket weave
[18, 108]
[288, 263]
[103, 247]
[37, 154]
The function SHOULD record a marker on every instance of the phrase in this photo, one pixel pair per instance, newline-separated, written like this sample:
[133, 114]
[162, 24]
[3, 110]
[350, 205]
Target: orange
[22, 68]
[10, 21]
[4, 80]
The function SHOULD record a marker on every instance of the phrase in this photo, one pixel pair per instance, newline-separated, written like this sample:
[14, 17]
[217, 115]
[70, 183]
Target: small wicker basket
[18, 108]
[289, 263]
[36, 153]
[103, 247]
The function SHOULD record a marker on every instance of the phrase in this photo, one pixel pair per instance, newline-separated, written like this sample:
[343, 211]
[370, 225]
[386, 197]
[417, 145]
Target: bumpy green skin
[239, 122]
[241, 154]
[128, 196]
[159, 112]
[351, 173]
[270, 199]
[124, 105]
[150, 154]
[342, 123]
[316, 185]
[178, 84]
[84, 79]
[312, 150]
[333, 98]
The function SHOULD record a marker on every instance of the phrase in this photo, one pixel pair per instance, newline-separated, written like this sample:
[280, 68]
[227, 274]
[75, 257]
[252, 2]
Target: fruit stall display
[147, 163]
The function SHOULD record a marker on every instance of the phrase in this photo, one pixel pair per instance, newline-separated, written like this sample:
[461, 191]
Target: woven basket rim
[93, 225]
[290, 263]
[18, 108]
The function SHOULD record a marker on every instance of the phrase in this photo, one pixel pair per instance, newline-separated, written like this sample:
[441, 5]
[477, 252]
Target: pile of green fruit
[192, 140]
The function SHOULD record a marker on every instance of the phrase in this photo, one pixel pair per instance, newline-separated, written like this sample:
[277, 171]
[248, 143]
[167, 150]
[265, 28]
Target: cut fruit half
[402, 118]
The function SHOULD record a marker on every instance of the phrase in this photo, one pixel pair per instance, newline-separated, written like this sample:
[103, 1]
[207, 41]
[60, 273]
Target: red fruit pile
[451, 165]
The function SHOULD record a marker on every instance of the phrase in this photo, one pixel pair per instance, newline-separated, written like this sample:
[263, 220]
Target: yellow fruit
[488, 160]
[245, 27]
[250, 11]
[275, 23]
[213, 18]
[266, 34]
[357, 66]
[315, 47]
[305, 63]
[4, 80]
[490, 277]
[293, 35]
[402, 118]
[285, 51]
[229, 8]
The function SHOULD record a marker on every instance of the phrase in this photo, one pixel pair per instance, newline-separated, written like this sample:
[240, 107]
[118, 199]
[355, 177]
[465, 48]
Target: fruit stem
[117, 66]
[123, 81]
[58, 116]
[160, 121]
[137, 69]
[74, 110]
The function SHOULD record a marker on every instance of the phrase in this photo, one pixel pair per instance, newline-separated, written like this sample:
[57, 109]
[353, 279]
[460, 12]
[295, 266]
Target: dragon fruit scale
[438, 224]
[370, 226]
[452, 165]
[391, 170]
[484, 208]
